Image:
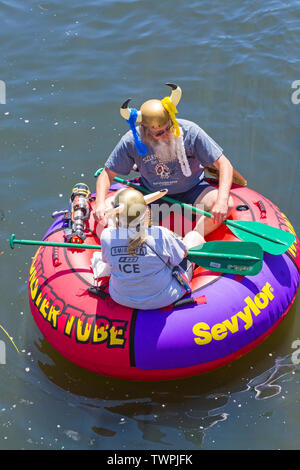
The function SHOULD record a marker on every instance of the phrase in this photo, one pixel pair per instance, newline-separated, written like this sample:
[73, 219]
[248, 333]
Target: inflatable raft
[231, 314]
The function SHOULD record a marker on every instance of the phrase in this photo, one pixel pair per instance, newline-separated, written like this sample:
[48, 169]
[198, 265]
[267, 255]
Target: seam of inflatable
[132, 337]
[74, 271]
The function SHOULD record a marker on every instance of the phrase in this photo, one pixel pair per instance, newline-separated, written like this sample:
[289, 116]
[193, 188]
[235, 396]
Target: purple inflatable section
[235, 314]
[57, 225]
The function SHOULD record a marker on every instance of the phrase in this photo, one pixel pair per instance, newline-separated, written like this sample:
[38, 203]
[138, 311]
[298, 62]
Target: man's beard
[165, 149]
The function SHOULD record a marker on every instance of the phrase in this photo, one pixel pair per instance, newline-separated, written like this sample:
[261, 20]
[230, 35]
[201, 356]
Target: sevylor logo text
[205, 334]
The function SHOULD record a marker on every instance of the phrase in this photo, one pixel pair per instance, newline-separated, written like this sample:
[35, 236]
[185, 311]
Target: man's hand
[104, 182]
[219, 211]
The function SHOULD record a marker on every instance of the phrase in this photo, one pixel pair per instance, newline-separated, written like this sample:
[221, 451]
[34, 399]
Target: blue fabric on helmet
[140, 146]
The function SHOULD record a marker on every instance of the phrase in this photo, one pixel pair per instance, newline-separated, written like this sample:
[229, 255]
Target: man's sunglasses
[161, 132]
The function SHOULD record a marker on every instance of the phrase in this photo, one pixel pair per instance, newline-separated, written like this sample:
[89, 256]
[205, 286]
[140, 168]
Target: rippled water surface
[67, 67]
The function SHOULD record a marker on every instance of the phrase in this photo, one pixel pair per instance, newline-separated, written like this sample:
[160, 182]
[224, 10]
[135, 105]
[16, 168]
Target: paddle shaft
[77, 246]
[166, 198]
[200, 211]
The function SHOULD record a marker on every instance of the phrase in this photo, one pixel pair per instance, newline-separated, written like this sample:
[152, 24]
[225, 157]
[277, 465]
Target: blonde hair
[140, 236]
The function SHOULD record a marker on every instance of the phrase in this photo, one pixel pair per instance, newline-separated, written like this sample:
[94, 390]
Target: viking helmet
[152, 113]
[132, 204]
[132, 207]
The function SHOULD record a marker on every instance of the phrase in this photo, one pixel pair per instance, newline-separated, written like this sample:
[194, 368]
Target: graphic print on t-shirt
[128, 264]
[162, 170]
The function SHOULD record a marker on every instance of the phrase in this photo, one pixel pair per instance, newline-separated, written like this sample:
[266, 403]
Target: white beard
[169, 150]
[165, 150]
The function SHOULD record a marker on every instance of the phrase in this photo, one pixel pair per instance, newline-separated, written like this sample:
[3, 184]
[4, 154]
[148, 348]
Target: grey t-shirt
[143, 281]
[201, 150]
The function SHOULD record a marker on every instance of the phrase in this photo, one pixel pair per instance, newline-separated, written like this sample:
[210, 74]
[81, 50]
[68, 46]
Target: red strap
[193, 301]
[201, 300]
[238, 277]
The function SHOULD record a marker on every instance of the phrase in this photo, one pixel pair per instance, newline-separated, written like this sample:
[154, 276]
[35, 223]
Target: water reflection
[173, 414]
[265, 385]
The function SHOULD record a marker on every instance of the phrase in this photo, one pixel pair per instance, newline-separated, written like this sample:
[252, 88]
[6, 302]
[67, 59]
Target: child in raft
[142, 259]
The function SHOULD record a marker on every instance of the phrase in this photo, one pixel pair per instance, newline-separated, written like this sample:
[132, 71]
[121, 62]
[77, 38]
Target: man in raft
[172, 154]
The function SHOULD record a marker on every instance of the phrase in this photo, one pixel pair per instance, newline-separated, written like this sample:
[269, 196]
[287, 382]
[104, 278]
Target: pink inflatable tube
[231, 315]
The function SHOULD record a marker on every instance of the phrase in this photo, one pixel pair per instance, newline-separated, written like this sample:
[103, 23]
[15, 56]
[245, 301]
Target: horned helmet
[153, 114]
[130, 206]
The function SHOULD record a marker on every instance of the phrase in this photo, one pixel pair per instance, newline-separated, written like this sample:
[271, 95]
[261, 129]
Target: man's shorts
[188, 197]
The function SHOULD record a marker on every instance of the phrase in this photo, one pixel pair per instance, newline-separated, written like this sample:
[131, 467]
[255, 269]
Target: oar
[234, 257]
[237, 178]
[75, 246]
[223, 257]
[271, 239]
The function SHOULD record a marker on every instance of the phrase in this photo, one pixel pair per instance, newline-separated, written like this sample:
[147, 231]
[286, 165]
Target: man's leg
[206, 201]
[193, 238]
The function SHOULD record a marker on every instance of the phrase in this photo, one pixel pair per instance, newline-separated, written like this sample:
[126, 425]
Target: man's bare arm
[225, 177]
[103, 185]
[221, 207]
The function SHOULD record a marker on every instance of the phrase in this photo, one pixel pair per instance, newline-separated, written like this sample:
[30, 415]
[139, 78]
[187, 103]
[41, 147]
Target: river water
[67, 67]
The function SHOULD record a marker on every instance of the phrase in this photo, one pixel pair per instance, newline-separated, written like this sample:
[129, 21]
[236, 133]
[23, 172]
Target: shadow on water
[188, 407]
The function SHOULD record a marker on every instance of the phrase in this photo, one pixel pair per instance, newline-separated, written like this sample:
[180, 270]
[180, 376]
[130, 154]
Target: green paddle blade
[228, 257]
[272, 240]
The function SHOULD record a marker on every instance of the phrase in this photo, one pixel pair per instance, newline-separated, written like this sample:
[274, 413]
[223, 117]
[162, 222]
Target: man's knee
[230, 204]
[207, 199]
